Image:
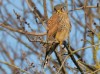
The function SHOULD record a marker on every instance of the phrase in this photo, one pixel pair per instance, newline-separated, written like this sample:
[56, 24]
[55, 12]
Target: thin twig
[59, 58]
[72, 57]
[74, 53]
[36, 12]
[85, 48]
[95, 71]
[21, 31]
[14, 66]
[83, 8]
[62, 64]
[45, 10]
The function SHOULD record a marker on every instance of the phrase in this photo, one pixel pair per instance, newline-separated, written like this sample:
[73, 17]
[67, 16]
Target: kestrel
[58, 24]
[58, 28]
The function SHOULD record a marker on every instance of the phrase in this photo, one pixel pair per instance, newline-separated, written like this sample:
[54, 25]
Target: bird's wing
[53, 24]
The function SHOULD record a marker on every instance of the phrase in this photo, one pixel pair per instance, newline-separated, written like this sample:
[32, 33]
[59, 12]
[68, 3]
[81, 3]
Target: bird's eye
[63, 8]
[55, 10]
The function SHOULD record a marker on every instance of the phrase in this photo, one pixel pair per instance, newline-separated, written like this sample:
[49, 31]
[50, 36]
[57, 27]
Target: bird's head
[59, 8]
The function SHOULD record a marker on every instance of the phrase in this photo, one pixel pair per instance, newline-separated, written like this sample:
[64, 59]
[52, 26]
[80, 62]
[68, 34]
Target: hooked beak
[59, 11]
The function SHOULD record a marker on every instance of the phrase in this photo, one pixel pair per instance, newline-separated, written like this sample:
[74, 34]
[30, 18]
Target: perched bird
[58, 28]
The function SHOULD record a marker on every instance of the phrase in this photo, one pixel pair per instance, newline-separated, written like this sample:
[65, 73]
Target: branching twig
[74, 53]
[83, 8]
[14, 67]
[36, 12]
[72, 57]
[21, 31]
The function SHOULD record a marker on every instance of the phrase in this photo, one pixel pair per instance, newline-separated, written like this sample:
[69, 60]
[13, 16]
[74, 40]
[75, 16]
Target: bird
[58, 26]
